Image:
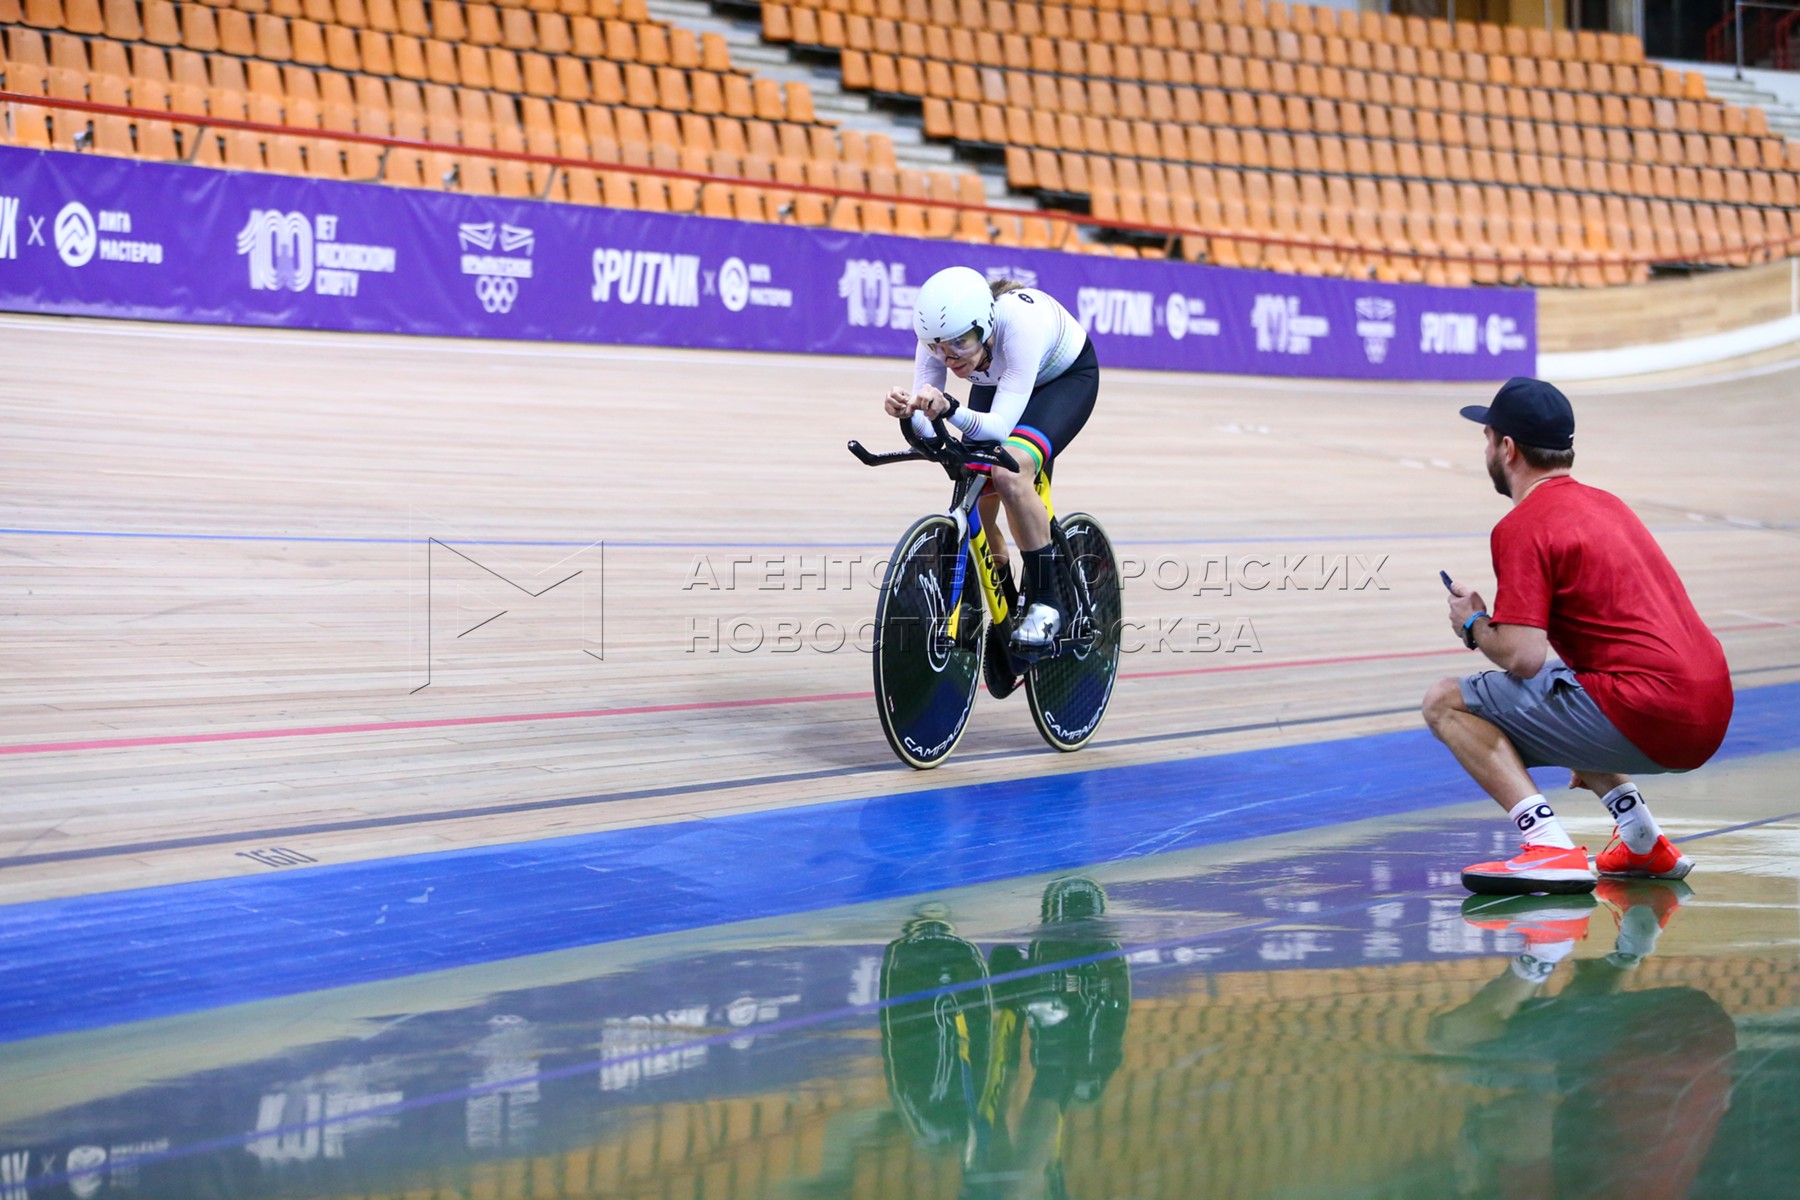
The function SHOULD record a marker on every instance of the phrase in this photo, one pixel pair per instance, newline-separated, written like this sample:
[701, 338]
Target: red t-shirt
[1574, 561]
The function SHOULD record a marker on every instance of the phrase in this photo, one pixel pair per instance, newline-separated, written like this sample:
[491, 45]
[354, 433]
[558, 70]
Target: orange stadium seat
[1149, 109]
[375, 51]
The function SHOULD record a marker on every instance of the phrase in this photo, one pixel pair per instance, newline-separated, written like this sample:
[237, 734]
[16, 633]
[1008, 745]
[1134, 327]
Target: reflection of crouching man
[1642, 687]
[1609, 1089]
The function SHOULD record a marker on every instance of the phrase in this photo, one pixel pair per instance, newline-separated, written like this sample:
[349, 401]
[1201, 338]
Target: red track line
[189, 739]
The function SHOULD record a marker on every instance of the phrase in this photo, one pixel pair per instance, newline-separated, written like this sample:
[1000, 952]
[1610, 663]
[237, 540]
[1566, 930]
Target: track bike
[930, 638]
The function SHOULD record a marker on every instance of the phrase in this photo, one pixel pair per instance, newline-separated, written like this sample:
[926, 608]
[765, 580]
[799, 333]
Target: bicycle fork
[972, 543]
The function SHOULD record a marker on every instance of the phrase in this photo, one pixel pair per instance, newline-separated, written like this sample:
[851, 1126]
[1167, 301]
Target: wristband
[949, 412]
[1468, 629]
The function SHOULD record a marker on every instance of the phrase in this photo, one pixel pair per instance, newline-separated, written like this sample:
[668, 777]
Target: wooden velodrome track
[248, 608]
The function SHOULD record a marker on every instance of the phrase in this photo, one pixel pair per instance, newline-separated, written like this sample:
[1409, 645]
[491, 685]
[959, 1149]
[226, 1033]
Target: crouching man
[1642, 687]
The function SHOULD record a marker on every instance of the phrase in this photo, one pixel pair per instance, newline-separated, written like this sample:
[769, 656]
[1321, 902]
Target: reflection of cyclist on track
[954, 1042]
[1034, 380]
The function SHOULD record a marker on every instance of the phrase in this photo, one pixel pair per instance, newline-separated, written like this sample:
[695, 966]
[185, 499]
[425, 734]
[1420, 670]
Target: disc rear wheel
[1069, 692]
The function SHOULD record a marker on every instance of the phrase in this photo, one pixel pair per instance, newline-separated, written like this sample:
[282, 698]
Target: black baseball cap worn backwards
[1530, 412]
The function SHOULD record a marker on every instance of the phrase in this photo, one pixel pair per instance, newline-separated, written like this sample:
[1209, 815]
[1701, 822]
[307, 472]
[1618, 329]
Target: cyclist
[1034, 378]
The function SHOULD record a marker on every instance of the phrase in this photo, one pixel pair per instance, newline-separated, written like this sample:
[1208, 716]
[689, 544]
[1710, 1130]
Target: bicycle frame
[958, 459]
[965, 510]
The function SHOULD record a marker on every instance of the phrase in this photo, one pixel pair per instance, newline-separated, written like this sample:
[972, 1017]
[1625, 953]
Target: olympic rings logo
[497, 292]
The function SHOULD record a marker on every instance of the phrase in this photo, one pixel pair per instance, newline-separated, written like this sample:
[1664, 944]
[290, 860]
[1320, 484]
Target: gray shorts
[1553, 722]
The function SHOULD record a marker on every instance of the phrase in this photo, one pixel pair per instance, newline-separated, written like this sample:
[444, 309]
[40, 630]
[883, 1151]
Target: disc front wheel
[927, 665]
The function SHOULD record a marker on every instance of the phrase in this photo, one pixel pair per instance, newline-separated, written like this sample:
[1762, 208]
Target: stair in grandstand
[1777, 93]
[740, 23]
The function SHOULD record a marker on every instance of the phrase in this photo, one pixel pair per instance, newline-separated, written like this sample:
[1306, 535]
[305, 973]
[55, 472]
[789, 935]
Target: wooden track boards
[266, 640]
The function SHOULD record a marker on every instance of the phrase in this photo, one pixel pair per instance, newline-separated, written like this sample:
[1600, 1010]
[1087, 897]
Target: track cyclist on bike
[1034, 378]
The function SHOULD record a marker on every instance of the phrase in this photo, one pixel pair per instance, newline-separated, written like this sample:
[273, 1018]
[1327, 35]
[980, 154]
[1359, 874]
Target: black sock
[1008, 588]
[1040, 576]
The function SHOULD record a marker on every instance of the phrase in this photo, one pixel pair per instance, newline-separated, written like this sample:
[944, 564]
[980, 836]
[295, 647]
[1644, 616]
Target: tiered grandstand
[1228, 131]
[1510, 152]
[602, 84]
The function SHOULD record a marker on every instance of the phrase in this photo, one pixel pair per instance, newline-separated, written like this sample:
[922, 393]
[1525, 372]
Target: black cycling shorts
[1056, 411]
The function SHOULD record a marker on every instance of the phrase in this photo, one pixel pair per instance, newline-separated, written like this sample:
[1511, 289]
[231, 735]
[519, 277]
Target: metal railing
[1748, 40]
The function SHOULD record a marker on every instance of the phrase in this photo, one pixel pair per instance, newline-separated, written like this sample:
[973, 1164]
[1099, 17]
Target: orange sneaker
[1662, 861]
[1540, 920]
[1533, 869]
[1663, 896]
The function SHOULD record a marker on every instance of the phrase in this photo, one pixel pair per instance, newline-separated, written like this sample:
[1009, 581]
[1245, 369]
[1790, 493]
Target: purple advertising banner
[82, 234]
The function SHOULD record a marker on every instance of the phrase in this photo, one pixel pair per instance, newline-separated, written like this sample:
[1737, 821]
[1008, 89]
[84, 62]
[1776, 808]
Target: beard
[1499, 477]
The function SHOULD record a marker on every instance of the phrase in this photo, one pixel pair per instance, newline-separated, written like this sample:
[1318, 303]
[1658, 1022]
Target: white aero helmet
[952, 302]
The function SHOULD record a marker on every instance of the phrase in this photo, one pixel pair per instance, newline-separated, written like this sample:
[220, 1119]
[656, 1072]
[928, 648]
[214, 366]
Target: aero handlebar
[953, 454]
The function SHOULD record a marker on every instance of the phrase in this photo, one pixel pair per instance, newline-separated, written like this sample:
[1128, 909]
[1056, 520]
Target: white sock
[1638, 931]
[1536, 964]
[1637, 827]
[1538, 824]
